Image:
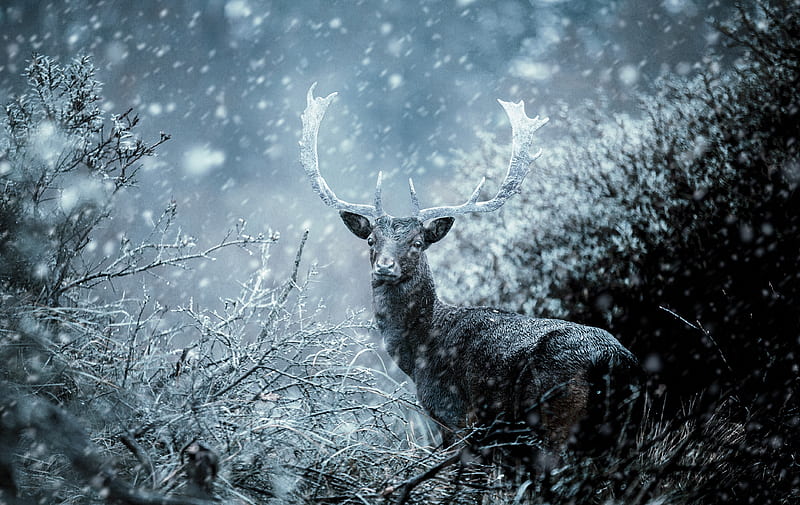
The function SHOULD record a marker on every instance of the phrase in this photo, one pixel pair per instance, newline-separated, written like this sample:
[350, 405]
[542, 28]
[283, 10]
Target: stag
[477, 366]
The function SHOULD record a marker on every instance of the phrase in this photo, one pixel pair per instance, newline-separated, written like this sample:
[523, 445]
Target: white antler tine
[523, 129]
[311, 119]
[378, 201]
[414, 199]
[477, 192]
[310, 94]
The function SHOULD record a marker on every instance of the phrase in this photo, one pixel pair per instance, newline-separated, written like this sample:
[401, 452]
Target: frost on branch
[62, 162]
[110, 395]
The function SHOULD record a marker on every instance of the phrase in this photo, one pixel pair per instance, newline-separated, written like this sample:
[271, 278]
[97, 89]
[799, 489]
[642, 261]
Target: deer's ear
[437, 229]
[358, 224]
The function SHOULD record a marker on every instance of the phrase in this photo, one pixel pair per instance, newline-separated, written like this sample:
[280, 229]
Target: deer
[477, 366]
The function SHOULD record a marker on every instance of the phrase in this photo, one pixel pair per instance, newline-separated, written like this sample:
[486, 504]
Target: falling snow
[201, 160]
[663, 208]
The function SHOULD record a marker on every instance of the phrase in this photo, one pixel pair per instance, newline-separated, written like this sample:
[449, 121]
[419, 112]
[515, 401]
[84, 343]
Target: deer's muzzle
[386, 268]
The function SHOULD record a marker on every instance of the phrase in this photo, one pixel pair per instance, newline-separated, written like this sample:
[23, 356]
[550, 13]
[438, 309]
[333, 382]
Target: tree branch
[56, 429]
[408, 485]
[287, 288]
[128, 270]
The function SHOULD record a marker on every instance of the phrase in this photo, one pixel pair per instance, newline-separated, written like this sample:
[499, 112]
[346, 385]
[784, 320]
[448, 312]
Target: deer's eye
[370, 241]
[417, 244]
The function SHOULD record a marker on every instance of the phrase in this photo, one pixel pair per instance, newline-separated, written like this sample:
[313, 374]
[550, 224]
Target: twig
[703, 331]
[290, 284]
[128, 270]
[132, 341]
[408, 485]
[287, 288]
[141, 456]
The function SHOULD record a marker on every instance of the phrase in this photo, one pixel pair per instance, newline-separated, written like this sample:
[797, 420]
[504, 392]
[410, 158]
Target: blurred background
[227, 80]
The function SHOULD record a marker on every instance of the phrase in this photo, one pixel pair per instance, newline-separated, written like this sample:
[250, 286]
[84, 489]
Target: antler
[522, 128]
[311, 118]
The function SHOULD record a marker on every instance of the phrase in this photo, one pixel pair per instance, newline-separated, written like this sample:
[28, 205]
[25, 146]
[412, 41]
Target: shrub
[257, 402]
[61, 162]
[678, 230]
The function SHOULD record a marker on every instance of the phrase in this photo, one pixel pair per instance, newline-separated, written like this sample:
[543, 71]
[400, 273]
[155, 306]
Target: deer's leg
[563, 412]
[614, 406]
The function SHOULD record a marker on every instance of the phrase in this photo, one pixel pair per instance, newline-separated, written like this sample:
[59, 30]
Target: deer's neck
[404, 314]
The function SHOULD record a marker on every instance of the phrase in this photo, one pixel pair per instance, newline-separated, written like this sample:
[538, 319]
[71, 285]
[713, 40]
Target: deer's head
[397, 243]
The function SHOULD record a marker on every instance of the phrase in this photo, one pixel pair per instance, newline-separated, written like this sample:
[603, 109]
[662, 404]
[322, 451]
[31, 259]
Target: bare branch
[126, 264]
[408, 485]
[268, 326]
[141, 455]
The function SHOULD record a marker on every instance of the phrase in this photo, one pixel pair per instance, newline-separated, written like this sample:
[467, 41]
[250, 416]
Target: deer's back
[506, 365]
[508, 337]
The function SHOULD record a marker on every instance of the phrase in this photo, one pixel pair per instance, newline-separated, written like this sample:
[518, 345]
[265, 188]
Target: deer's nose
[385, 266]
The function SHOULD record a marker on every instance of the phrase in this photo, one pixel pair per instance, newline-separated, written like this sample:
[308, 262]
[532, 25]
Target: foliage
[679, 231]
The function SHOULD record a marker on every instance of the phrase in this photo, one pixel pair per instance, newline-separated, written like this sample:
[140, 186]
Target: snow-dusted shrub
[62, 158]
[117, 398]
[678, 229]
[613, 189]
